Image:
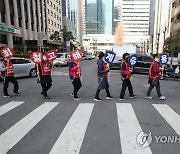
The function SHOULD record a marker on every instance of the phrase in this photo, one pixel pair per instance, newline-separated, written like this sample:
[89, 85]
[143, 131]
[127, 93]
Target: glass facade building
[99, 16]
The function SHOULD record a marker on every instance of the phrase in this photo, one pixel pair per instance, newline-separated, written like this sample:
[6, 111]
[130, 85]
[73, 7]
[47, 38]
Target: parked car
[22, 67]
[88, 57]
[61, 60]
[143, 64]
[116, 64]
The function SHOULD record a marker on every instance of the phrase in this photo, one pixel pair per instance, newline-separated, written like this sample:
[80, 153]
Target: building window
[51, 22]
[53, 31]
[51, 13]
[48, 11]
[57, 17]
[54, 6]
[59, 2]
[47, 1]
[55, 24]
[54, 15]
[59, 10]
[50, 3]
[58, 26]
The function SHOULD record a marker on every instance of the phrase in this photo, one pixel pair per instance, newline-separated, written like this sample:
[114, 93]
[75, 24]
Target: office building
[24, 21]
[135, 20]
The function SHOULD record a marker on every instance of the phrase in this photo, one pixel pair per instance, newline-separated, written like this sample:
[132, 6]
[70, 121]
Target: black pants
[107, 92]
[45, 88]
[157, 89]
[77, 85]
[126, 83]
[6, 81]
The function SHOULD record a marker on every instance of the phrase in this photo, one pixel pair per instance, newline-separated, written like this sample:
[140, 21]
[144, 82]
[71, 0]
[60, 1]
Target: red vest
[45, 68]
[9, 70]
[105, 67]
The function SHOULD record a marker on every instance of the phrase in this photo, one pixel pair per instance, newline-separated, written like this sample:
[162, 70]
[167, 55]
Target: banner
[51, 55]
[7, 53]
[109, 57]
[164, 58]
[36, 57]
[133, 60]
[76, 55]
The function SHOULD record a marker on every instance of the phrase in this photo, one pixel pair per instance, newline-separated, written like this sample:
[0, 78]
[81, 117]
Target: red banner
[7, 53]
[76, 55]
[51, 55]
[36, 57]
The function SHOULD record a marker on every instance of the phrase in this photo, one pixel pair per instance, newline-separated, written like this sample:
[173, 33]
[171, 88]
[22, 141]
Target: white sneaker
[162, 98]
[148, 97]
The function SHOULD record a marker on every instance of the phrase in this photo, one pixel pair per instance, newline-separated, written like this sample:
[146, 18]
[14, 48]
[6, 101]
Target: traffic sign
[109, 57]
[133, 60]
[7, 53]
[164, 58]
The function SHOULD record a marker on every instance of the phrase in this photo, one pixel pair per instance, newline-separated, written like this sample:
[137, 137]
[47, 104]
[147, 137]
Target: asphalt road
[28, 125]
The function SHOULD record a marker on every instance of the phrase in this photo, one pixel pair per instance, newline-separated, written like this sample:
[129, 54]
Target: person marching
[154, 77]
[126, 73]
[102, 73]
[44, 76]
[8, 76]
[74, 75]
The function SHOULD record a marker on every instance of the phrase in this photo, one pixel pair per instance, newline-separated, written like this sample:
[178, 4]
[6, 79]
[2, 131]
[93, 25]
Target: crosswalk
[71, 138]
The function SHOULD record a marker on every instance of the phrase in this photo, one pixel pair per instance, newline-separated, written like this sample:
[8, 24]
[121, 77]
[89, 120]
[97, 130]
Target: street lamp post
[144, 47]
[147, 45]
[157, 49]
[152, 38]
[164, 32]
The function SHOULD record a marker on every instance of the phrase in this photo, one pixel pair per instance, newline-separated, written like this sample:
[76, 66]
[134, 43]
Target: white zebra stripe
[129, 128]
[8, 107]
[14, 134]
[71, 138]
[169, 115]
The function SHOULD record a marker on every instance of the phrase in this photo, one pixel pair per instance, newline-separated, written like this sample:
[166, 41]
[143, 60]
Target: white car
[22, 67]
[61, 60]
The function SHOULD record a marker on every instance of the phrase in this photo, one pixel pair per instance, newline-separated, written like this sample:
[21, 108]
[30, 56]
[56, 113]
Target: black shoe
[17, 94]
[77, 98]
[109, 97]
[134, 96]
[98, 99]
[7, 95]
[47, 97]
[122, 99]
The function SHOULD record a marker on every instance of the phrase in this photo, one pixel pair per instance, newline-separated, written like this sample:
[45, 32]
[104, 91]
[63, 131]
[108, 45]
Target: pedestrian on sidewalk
[44, 75]
[8, 76]
[102, 73]
[154, 77]
[75, 75]
[126, 73]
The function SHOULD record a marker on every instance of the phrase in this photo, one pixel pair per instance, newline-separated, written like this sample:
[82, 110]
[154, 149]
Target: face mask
[126, 59]
[44, 58]
[156, 59]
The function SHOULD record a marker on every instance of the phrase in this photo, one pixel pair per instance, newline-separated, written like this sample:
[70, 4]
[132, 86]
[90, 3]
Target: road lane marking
[72, 136]
[14, 134]
[9, 106]
[129, 128]
[172, 118]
